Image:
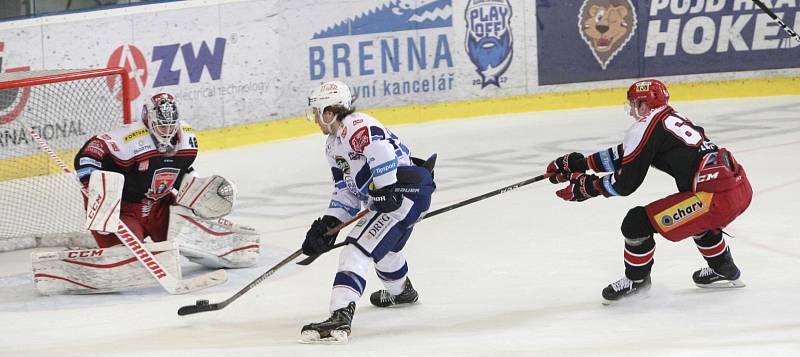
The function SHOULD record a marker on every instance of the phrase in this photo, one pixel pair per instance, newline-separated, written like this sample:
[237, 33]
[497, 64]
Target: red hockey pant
[142, 220]
[687, 214]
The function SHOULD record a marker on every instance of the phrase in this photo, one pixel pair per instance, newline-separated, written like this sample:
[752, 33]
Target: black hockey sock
[639, 257]
[712, 246]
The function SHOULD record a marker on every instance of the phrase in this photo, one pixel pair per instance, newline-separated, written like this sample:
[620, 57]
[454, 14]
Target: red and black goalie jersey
[130, 150]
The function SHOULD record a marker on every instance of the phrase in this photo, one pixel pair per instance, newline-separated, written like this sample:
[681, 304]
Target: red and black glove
[561, 168]
[581, 188]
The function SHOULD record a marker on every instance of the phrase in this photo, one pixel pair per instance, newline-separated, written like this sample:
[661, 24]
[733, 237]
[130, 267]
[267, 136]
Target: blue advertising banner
[396, 48]
[593, 40]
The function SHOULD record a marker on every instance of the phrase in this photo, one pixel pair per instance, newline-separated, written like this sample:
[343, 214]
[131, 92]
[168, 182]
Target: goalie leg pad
[209, 197]
[214, 243]
[101, 270]
[103, 201]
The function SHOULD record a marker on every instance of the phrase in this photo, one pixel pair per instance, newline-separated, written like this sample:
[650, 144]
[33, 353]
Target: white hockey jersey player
[361, 152]
[371, 168]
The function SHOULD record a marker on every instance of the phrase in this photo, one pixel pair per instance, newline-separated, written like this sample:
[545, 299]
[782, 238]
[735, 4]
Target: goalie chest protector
[131, 151]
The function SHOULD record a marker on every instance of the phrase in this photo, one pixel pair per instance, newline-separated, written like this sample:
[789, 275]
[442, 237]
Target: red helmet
[650, 91]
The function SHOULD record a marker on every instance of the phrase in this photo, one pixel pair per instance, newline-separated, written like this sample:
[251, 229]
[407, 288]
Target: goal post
[39, 204]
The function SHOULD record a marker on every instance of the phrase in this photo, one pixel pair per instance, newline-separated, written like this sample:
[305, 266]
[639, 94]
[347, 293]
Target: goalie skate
[333, 331]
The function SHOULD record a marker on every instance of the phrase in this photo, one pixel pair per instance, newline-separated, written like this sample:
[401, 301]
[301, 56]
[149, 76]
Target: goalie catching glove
[209, 197]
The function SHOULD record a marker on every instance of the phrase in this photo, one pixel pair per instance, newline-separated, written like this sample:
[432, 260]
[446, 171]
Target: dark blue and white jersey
[360, 153]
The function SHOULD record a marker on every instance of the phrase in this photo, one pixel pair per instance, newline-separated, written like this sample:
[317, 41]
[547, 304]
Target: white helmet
[160, 115]
[333, 93]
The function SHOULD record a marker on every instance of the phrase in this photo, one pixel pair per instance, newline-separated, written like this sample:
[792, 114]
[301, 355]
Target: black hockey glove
[316, 241]
[385, 200]
[581, 188]
[561, 167]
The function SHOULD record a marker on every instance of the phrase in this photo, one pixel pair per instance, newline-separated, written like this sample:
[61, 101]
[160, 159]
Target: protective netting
[36, 198]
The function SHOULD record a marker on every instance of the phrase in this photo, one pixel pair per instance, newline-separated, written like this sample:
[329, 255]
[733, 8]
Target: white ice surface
[517, 274]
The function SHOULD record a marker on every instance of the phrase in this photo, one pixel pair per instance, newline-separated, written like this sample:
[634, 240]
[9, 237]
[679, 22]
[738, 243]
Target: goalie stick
[777, 19]
[204, 305]
[170, 283]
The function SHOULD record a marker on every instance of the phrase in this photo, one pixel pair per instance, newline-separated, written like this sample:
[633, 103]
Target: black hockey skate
[726, 276]
[334, 330]
[382, 298]
[623, 288]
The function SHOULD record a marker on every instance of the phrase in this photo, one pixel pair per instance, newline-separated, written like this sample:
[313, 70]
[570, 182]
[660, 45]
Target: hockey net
[40, 205]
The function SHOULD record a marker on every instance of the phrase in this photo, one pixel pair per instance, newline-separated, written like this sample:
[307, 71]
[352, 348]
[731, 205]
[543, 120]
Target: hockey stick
[204, 305]
[170, 283]
[484, 196]
[780, 22]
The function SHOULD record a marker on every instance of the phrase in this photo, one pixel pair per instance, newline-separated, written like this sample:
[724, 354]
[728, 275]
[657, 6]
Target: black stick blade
[196, 308]
[308, 260]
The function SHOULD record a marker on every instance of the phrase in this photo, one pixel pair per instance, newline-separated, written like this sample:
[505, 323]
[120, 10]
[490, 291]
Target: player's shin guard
[393, 272]
[638, 262]
[721, 271]
[347, 287]
[713, 248]
[349, 283]
[639, 257]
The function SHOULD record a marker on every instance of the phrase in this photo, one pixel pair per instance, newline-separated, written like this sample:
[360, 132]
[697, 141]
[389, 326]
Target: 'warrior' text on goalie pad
[91, 271]
[209, 197]
[103, 205]
[215, 243]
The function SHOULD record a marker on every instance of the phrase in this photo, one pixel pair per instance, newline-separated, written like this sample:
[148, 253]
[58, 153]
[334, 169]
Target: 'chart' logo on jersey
[489, 42]
[606, 26]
